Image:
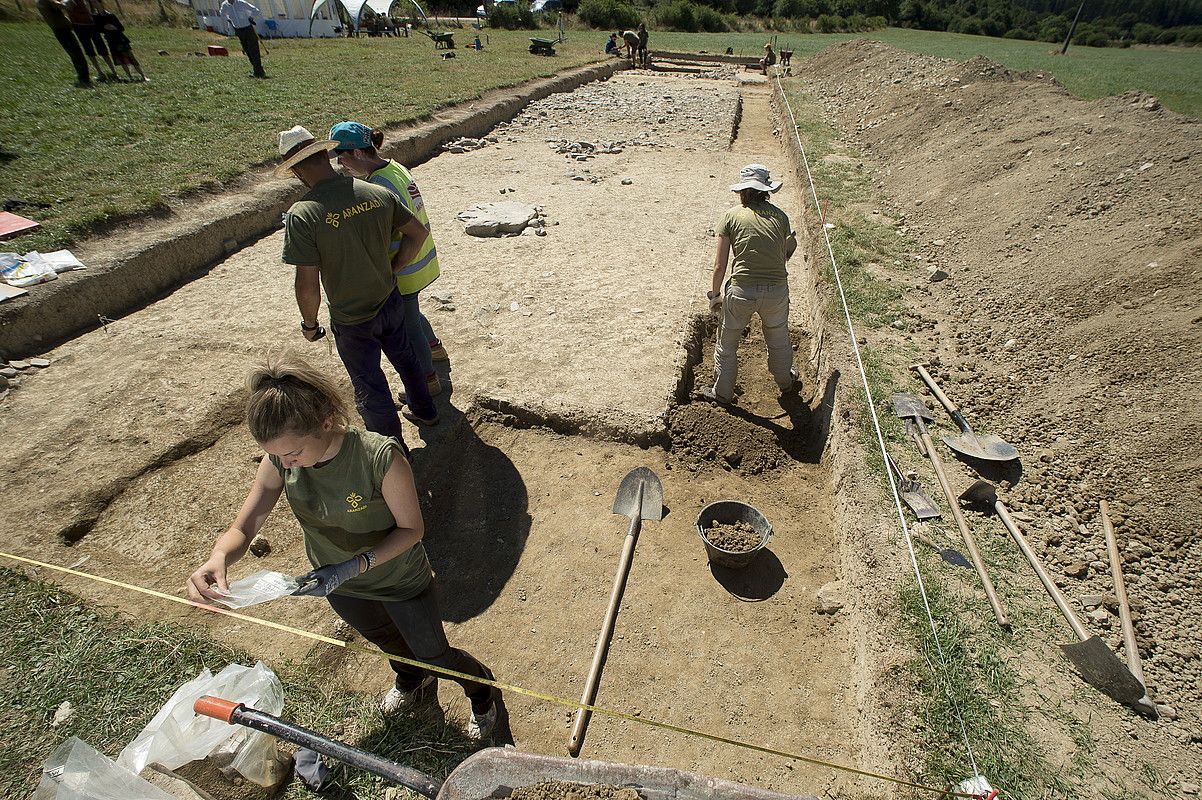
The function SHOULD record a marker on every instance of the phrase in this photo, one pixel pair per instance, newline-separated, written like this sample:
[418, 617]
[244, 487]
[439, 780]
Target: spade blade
[908, 406]
[1101, 668]
[626, 502]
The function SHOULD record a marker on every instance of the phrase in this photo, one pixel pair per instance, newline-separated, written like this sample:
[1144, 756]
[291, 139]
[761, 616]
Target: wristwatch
[312, 327]
[370, 558]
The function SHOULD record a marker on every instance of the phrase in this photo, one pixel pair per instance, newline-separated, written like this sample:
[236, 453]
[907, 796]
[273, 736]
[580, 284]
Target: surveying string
[876, 424]
[505, 687]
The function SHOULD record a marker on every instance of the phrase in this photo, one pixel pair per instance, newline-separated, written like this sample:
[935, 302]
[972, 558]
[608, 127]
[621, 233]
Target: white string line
[880, 436]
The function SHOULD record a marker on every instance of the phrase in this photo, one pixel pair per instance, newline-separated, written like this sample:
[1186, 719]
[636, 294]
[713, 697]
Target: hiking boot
[481, 726]
[708, 394]
[399, 700]
[408, 414]
[795, 386]
[432, 383]
[439, 353]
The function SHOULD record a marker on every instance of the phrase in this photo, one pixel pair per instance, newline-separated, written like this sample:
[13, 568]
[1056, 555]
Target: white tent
[287, 18]
[354, 8]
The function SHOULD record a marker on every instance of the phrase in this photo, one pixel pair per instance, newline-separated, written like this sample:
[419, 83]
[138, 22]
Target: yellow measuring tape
[505, 687]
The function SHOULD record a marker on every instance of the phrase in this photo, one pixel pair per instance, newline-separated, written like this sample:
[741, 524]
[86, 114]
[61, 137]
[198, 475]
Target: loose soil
[737, 538]
[1070, 326]
[573, 791]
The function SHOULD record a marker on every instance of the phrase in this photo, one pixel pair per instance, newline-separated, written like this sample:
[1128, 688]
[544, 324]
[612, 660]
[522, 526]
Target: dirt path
[133, 441]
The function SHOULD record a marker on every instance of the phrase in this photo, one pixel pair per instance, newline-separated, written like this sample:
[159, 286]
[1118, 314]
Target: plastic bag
[59, 260]
[23, 272]
[178, 735]
[260, 587]
[75, 771]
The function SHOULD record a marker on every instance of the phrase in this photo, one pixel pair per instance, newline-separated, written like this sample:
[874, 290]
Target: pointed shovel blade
[987, 446]
[626, 502]
[1101, 668]
[908, 406]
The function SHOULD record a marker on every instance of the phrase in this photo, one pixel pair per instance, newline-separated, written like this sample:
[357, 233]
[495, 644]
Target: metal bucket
[728, 512]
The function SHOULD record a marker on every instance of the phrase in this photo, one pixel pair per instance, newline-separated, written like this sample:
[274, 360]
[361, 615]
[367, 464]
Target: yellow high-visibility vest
[422, 270]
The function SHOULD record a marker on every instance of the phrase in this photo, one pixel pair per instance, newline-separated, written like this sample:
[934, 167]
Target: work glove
[323, 580]
[715, 301]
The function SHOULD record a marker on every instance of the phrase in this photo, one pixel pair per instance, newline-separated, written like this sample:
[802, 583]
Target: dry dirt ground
[1071, 325]
[133, 441]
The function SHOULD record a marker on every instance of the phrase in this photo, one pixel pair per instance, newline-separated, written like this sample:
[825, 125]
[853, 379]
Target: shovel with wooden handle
[1099, 666]
[640, 497]
[911, 492]
[1144, 705]
[988, 447]
[907, 406]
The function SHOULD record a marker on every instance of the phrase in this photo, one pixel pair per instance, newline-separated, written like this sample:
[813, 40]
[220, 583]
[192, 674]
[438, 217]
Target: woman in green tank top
[352, 493]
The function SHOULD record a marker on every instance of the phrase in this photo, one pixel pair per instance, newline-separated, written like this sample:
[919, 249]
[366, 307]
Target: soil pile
[735, 538]
[1072, 320]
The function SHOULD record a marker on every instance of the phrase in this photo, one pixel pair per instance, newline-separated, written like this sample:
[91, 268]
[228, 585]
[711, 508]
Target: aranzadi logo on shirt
[354, 503]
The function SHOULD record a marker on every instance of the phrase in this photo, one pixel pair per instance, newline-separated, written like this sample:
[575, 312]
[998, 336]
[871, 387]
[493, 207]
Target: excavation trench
[574, 357]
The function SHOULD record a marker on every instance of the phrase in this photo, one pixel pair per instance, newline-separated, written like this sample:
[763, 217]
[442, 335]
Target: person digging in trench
[352, 493]
[758, 236]
[358, 153]
[338, 236]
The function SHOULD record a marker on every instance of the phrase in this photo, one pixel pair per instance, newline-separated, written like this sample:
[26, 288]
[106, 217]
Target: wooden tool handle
[607, 629]
[1061, 603]
[969, 542]
[943, 399]
[1120, 591]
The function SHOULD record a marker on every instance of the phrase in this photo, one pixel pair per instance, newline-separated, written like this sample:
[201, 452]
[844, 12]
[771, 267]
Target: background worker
[641, 54]
[241, 17]
[119, 45]
[353, 494]
[612, 47]
[758, 235]
[769, 58]
[631, 38]
[338, 237]
[56, 17]
[88, 33]
[357, 152]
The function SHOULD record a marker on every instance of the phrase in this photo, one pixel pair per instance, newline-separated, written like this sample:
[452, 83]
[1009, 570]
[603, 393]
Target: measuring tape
[505, 687]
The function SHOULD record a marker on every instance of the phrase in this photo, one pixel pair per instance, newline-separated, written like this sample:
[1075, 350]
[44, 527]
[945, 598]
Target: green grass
[1174, 74]
[117, 672]
[117, 151]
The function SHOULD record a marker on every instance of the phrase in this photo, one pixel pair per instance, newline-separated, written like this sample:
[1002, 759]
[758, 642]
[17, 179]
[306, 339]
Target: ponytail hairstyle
[377, 138]
[749, 196]
[290, 396]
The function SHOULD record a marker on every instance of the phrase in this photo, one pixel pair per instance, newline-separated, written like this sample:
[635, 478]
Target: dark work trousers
[413, 629]
[359, 347]
[250, 46]
[67, 39]
[92, 40]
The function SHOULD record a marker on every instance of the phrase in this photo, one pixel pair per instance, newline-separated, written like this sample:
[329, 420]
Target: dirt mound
[1071, 323]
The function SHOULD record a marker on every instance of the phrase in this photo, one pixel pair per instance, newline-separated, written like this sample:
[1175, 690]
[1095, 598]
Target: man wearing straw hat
[338, 236]
[758, 235]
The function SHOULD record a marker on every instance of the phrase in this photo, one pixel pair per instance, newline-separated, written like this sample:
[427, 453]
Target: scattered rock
[40, 363]
[8, 372]
[495, 219]
[830, 598]
[22, 365]
[935, 275]
[1076, 569]
[1166, 712]
[1189, 788]
[259, 546]
[62, 714]
[627, 181]
[1098, 614]
[1090, 601]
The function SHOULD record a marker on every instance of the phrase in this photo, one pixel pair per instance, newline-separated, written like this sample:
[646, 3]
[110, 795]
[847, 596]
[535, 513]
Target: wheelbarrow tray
[495, 772]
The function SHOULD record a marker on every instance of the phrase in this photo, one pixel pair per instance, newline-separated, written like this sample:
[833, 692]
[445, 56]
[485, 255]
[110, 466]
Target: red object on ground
[14, 224]
[218, 50]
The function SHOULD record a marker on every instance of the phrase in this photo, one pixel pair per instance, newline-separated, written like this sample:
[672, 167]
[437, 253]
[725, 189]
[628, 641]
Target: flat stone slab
[497, 219]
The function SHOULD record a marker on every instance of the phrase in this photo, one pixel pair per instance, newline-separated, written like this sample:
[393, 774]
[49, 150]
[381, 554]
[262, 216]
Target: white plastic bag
[261, 587]
[21, 271]
[75, 771]
[178, 735]
[58, 260]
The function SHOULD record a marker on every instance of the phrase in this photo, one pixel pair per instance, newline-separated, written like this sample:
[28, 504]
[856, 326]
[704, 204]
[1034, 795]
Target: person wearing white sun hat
[338, 237]
[759, 237]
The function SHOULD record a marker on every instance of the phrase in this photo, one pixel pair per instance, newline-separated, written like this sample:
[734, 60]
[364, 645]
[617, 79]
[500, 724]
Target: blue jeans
[413, 629]
[359, 347]
[420, 334]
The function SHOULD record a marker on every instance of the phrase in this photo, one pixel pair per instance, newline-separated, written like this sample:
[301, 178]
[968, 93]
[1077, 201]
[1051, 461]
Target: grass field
[1174, 74]
[117, 672]
[118, 149]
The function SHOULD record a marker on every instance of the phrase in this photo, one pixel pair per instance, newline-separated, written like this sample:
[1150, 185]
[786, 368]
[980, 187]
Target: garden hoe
[988, 447]
[909, 407]
[1144, 705]
[1093, 659]
[640, 497]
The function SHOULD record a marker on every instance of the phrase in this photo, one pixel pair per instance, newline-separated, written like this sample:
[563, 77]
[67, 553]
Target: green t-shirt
[344, 226]
[759, 237]
[342, 512]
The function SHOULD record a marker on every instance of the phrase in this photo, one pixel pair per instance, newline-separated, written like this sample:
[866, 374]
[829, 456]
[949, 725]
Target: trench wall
[135, 265]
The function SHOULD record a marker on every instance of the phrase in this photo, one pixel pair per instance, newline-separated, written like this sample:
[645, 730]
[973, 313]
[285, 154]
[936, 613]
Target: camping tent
[289, 18]
[354, 8]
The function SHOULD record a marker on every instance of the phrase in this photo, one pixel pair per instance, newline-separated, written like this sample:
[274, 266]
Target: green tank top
[342, 512]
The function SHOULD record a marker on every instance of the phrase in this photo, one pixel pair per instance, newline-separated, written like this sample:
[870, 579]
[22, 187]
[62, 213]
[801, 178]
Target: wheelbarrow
[442, 39]
[495, 771]
[542, 47]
